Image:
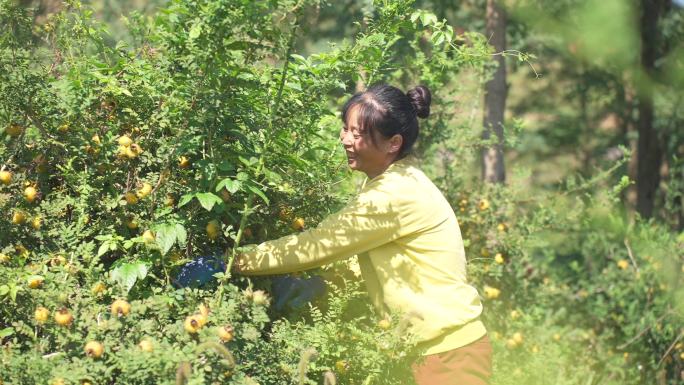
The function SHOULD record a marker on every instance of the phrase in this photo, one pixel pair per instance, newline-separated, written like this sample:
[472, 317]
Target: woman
[406, 237]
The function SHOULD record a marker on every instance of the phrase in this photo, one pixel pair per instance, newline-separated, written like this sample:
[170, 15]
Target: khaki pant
[467, 365]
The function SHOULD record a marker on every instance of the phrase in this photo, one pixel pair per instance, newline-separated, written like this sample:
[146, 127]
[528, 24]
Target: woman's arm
[368, 221]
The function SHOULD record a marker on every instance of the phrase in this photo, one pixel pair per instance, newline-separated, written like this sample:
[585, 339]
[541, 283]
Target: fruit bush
[122, 163]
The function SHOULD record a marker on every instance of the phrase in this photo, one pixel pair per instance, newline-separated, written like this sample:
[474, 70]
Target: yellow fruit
[120, 308]
[384, 324]
[518, 338]
[30, 193]
[41, 314]
[145, 190]
[511, 344]
[556, 337]
[483, 205]
[63, 128]
[131, 198]
[146, 346]
[183, 162]
[226, 333]
[125, 140]
[535, 349]
[515, 314]
[63, 317]
[501, 227]
[57, 381]
[35, 281]
[148, 236]
[5, 177]
[298, 224]
[491, 292]
[98, 288]
[131, 223]
[4, 258]
[341, 366]
[36, 223]
[213, 229]
[94, 349]
[623, 264]
[136, 149]
[193, 323]
[14, 129]
[498, 258]
[225, 195]
[58, 260]
[18, 217]
[96, 139]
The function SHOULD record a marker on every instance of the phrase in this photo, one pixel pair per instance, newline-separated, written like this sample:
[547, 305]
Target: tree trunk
[649, 149]
[493, 170]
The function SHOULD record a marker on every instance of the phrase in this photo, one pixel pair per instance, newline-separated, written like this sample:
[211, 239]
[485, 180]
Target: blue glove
[296, 292]
[199, 271]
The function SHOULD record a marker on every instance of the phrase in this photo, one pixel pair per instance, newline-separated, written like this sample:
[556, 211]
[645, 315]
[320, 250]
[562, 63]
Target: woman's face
[362, 154]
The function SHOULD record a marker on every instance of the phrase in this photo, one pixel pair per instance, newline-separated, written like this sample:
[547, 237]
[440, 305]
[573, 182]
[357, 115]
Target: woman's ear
[395, 143]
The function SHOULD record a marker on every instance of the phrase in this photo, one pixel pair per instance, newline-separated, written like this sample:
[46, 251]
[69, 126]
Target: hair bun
[420, 98]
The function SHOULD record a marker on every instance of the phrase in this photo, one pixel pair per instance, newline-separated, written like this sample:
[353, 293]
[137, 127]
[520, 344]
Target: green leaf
[185, 199]
[166, 237]
[127, 274]
[4, 289]
[181, 235]
[104, 248]
[258, 192]
[208, 200]
[6, 332]
[229, 184]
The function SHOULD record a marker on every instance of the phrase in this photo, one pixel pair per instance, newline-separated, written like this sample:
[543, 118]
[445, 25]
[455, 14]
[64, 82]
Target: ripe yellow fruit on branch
[148, 236]
[125, 140]
[131, 198]
[483, 205]
[146, 346]
[491, 292]
[384, 324]
[18, 217]
[6, 177]
[4, 258]
[623, 264]
[94, 349]
[498, 258]
[63, 317]
[518, 338]
[226, 333]
[342, 366]
[145, 190]
[298, 224]
[96, 139]
[35, 281]
[120, 308]
[194, 323]
[98, 288]
[30, 193]
[183, 162]
[41, 314]
[213, 229]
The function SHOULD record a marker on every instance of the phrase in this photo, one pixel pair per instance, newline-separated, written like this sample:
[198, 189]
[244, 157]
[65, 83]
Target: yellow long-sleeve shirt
[410, 252]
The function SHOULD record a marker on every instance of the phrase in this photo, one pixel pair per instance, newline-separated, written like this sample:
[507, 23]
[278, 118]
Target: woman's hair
[389, 111]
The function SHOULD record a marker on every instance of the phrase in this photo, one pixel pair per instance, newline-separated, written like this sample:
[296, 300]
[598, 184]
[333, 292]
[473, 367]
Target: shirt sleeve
[369, 220]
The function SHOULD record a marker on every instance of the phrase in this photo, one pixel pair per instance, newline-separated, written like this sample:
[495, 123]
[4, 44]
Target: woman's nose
[345, 139]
